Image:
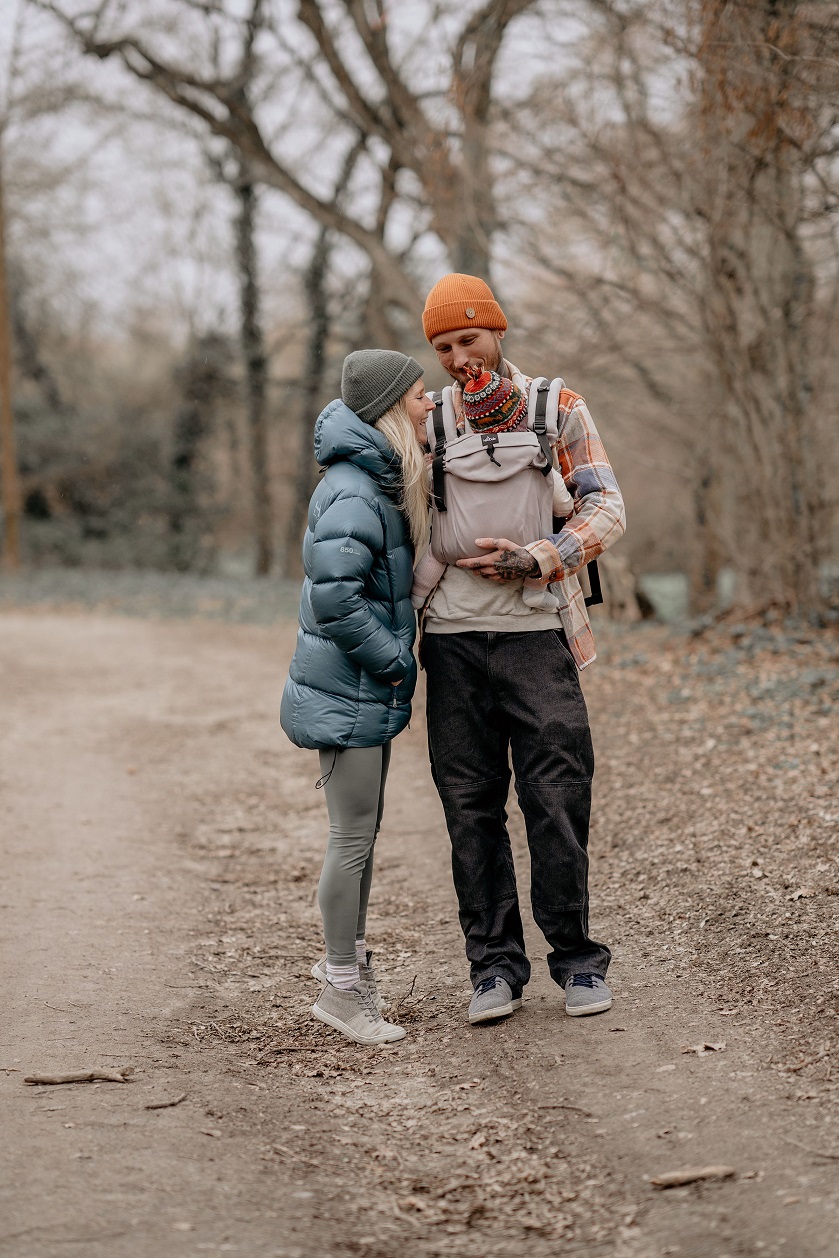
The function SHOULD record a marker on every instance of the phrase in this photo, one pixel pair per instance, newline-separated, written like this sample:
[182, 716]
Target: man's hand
[506, 561]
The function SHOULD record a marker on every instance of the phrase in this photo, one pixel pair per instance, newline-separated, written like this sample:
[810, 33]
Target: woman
[353, 673]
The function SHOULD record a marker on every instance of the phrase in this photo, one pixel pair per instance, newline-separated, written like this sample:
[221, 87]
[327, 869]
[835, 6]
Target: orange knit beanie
[461, 301]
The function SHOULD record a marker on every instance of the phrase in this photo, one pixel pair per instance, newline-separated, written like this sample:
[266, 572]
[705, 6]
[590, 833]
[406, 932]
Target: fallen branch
[281, 1149]
[166, 1104]
[85, 1076]
[675, 1179]
[408, 993]
[819, 1153]
[291, 1048]
[802, 1065]
[556, 1105]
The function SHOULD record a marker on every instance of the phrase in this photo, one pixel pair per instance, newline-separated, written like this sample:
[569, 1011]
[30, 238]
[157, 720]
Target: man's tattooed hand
[506, 562]
[512, 564]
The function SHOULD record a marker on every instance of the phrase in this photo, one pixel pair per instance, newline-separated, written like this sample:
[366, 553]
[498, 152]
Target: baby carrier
[517, 464]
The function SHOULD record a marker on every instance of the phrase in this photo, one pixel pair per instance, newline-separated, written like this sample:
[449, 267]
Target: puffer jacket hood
[341, 435]
[357, 625]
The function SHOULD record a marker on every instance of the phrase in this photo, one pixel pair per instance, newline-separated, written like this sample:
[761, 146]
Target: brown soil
[161, 848]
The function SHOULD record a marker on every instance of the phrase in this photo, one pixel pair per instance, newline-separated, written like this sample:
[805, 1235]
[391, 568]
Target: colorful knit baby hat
[491, 403]
[461, 301]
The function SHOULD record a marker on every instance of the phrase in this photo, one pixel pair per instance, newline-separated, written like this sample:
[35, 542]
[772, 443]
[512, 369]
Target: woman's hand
[506, 561]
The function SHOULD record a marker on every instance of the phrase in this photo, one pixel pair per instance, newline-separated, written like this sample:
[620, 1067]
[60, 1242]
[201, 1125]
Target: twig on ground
[556, 1105]
[691, 1174]
[819, 1153]
[281, 1149]
[166, 1104]
[292, 1048]
[675, 1179]
[85, 1076]
[802, 1065]
[408, 993]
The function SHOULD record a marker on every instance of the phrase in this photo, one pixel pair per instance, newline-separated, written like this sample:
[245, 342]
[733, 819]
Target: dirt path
[161, 842]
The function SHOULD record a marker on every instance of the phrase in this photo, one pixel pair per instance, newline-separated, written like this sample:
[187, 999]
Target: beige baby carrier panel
[491, 484]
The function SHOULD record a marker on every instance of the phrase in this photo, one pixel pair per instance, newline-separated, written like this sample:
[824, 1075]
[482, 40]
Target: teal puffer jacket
[357, 625]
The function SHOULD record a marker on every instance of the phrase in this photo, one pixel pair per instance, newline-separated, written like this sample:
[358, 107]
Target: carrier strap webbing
[596, 596]
[540, 426]
[438, 470]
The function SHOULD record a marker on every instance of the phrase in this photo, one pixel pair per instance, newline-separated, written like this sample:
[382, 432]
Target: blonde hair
[396, 426]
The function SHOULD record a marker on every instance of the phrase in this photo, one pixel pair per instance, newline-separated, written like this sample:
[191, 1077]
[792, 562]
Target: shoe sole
[398, 1033]
[600, 1007]
[492, 1015]
[316, 974]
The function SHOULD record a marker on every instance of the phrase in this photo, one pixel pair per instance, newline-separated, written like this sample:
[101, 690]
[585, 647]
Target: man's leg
[468, 744]
[553, 761]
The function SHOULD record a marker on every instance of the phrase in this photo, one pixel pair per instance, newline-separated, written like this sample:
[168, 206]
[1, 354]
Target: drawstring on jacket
[321, 782]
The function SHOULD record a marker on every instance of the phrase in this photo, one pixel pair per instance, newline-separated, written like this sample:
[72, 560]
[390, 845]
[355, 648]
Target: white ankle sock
[361, 950]
[343, 976]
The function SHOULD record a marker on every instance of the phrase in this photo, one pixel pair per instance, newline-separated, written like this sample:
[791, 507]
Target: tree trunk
[311, 394]
[707, 558]
[8, 453]
[759, 297]
[256, 373]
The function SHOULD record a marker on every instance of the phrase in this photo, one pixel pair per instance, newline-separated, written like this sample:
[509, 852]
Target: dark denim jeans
[490, 694]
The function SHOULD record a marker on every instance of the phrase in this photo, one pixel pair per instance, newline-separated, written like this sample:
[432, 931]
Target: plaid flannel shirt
[598, 520]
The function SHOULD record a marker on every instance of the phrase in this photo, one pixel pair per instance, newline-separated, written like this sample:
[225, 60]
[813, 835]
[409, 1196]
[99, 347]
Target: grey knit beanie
[373, 379]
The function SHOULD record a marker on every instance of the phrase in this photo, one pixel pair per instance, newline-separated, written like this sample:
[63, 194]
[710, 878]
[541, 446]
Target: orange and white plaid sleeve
[599, 516]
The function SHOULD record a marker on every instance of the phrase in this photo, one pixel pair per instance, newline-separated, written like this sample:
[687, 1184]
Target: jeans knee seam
[488, 904]
[550, 782]
[465, 786]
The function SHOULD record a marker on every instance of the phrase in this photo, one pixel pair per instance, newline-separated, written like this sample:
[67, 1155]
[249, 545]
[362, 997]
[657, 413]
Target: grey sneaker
[586, 993]
[355, 1015]
[493, 999]
[365, 972]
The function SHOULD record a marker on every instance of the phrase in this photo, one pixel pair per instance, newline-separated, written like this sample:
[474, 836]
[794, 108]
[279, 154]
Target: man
[502, 678]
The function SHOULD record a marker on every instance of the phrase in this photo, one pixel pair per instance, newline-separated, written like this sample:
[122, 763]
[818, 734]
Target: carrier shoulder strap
[543, 404]
[438, 471]
[540, 426]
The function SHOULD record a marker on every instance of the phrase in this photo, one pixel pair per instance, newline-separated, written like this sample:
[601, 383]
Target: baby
[492, 403]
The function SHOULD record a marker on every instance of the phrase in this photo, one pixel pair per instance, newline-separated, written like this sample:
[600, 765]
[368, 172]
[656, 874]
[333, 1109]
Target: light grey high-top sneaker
[366, 974]
[355, 1015]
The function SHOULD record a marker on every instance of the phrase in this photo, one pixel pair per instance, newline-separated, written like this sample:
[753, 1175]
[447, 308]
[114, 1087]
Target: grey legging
[355, 797]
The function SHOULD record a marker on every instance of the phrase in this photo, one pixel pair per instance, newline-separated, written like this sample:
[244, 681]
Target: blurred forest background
[208, 203]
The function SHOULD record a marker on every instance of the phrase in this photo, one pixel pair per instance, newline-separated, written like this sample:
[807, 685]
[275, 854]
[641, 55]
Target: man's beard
[499, 366]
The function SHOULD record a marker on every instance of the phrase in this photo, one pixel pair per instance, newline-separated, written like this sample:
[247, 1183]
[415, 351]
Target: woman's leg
[367, 873]
[354, 793]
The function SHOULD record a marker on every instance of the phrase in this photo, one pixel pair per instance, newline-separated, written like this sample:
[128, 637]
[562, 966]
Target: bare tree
[690, 234]
[9, 472]
[766, 115]
[440, 138]
[8, 454]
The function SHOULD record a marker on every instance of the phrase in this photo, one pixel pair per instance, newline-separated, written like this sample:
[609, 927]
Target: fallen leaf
[703, 1049]
[691, 1174]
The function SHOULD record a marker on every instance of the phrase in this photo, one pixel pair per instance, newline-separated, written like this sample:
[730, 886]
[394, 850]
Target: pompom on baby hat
[491, 403]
